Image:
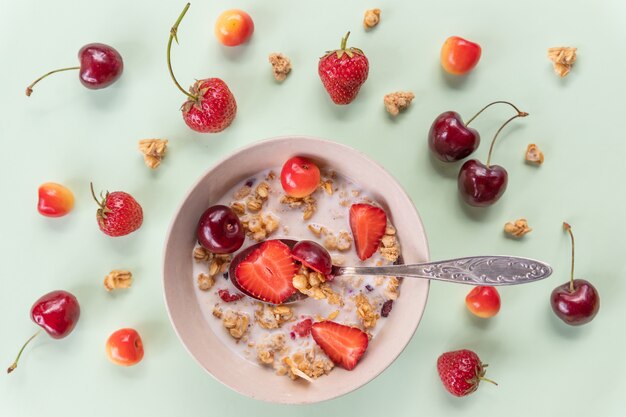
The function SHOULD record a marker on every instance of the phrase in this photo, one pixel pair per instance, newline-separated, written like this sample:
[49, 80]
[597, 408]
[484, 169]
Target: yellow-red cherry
[124, 347]
[234, 27]
[299, 177]
[459, 56]
[55, 200]
[483, 301]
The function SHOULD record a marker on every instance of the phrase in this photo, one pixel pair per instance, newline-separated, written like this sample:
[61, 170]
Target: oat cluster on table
[563, 58]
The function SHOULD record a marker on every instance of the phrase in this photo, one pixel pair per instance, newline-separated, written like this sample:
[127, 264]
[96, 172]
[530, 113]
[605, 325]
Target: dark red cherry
[219, 230]
[100, 66]
[577, 301]
[313, 255]
[450, 139]
[482, 185]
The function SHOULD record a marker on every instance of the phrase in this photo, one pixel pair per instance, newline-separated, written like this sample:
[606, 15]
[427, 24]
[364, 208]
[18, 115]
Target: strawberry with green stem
[210, 105]
[343, 72]
[118, 213]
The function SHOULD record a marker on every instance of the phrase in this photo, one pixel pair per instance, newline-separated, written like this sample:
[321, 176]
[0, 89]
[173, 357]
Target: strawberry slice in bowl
[368, 224]
[267, 273]
[344, 345]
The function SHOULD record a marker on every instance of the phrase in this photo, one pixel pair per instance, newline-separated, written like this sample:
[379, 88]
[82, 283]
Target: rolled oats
[392, 288]
[239, 208]
[365, 311]
[242, 193]
[205, 282]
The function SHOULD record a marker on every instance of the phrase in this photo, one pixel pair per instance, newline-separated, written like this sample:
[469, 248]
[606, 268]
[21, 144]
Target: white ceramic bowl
[218, 359]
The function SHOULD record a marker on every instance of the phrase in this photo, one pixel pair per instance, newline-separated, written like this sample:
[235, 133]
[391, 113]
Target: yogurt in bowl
[248, 345]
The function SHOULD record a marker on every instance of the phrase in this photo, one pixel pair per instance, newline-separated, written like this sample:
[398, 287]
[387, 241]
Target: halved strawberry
[344, 345]
[267, 272]
[368, 224]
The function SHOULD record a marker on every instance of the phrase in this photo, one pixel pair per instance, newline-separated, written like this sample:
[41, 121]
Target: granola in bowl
[285, 338]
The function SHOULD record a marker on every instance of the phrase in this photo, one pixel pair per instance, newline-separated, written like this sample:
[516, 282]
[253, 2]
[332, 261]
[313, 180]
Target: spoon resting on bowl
[473, 270]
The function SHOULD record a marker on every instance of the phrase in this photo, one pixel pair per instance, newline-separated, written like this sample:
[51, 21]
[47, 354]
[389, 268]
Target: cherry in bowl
[219, 230]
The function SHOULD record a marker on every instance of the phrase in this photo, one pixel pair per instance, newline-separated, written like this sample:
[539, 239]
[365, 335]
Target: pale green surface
[68, 134]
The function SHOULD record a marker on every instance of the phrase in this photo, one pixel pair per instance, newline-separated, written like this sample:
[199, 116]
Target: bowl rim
[223, 160]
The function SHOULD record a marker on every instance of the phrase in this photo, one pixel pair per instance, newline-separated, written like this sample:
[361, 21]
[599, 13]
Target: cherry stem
[568, 228]
[489, 105]
[173, 36]
[14, 364]
[344, 41]
[29, 89]
[519, 114]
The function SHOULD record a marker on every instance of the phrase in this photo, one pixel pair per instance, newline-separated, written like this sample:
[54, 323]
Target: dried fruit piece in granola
[153, 151]
[386, 308]
[534, 155]
[281, 66]
[518, 228]
[398, 101]
[371, 18]
[563, 59]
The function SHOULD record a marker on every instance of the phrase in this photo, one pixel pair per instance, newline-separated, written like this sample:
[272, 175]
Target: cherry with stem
[451, 140]
[482, 185]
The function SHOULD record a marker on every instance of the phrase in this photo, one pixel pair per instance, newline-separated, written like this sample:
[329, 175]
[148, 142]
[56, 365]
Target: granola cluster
[314, 285]
[398, 101]
[272, 317]
[118, 278]
[217, 264]
[518, 228]
[153, 151]
[563, 59]
[236, 323]
[365, 311]
[534, 155]
[307, 204]
[309, 364]
[389, 246]
[371, 18]
[281, 66]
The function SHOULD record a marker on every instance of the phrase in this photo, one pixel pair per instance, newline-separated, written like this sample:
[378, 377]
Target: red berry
[227, 297]
[118, 214]
[461, 371]
[303, 328]
[343, 72]
[125, 347]
[267, 272]
[368, 224]
[55, 200]
[299, 177]
[459, 56]
[483, 301]
[344, 345]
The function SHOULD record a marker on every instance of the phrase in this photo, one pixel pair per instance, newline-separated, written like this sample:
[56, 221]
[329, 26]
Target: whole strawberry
[118, 214]
[343, 72]
[461, 371]
[210, 106]
[213, 107]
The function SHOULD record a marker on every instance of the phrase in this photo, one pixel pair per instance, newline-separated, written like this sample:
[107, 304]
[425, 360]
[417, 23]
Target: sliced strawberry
[368, 224]
[344, 345]
[267, 272]
[303, 328]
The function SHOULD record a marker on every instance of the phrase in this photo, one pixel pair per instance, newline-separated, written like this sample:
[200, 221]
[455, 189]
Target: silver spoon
[473, 270]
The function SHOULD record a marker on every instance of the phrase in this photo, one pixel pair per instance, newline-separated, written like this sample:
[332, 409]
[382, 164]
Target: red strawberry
[118, 214]
[303, 329]
[344, 345]
[368, 224]
[213, 108]
[461, 371]
[343, 72]
[267, 272]
[227, 297]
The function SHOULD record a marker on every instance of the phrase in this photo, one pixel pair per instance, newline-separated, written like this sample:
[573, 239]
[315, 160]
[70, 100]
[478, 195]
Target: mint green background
[71, 135]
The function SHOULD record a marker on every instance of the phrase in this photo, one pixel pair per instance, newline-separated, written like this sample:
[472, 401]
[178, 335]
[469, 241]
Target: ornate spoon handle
[475, 270]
